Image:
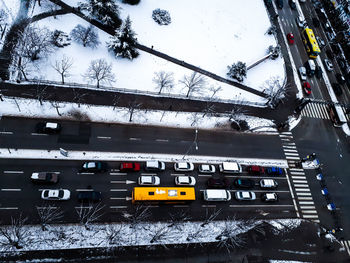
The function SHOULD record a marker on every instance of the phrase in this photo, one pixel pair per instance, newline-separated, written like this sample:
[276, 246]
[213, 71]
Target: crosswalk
[302, 198]
[316, 110]
[346, 245]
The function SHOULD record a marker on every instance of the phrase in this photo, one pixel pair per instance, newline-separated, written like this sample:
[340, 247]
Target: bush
[162, 17]
[131, 2]
[60, 39]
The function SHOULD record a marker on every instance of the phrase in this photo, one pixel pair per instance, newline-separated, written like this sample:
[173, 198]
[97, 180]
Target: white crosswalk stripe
[315, 110]
[346, 245]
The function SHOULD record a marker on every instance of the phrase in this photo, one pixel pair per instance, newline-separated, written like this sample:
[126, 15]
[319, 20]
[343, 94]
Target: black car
[89, 196]
[48, 127]
[219, 182]
[94, 167]
[329, 54]
[318, 72]
[316, 22]
[340, 78]
[337, 89]
[244, 183]
[292, 4]
[341, 63]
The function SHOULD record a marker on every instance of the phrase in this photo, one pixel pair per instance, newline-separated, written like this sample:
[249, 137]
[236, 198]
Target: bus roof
[312, 39]
[163, 193]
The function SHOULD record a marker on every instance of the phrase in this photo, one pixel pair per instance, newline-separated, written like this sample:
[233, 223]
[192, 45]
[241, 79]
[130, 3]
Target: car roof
[268, 181]
[147, 179]
[230, 165]
[270, 195]
[245, 194]
[182, 165]
[184, 179]
[51, 125]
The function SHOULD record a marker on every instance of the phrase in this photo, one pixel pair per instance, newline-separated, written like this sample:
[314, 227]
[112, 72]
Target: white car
[55, 194]
[183, 167]
[268, 183]
[207, 168]
[245, 195]
[155, 166]
[230, 167]
[302, 73]
[320, 42]
[185, 180]
[149, 180]
[300, 22]
[328, 64]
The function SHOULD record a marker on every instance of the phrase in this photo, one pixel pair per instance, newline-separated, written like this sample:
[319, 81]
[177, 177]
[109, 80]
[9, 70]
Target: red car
[256, 170]
[307, 88]
[290, 38]
[130, 167]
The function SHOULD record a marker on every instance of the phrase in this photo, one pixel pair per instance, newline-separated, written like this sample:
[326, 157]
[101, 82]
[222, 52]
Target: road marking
[85, 173]
[292, 158]
[127, 198]
[134, 139]
[286, 136]
[8, 208]
[84, 190]
[297, 173]
[39, 134]
[301, 185]
[104, 137]
[316, 220]
[289, 147]
[5, 132]
[303, 194]
[118, 173]
[310, 216]
[306, 203]
[118, 207]
[304, 198]
[235, 206]
[208, 206]
[307, 207]
[204, 175]
[302, 189]
[291, 154]
[161, 140]
[299, 181]
[285, 139]
[13, 172]
[123, 182]
[260, 191]
[346, 244]
[309, 211]
[118, 190]
[83, 207]
[290, 150]
[296, 169]
[11, 190]
[176, 174]
[45, 207]
[148, 174]
[292, 194]
[180, 205]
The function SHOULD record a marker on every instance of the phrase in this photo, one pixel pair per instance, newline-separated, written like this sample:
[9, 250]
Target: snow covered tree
[100, 71]
[114, 234]
[228, 238]
[15, 235]
[62, 66]
[106, 11]
[160, 234]
[163, 80]
[162, 17]
[214, 91]
[89, 214]
[179, 218]
[48, 214]
[123, 43]
[237, 71]
[3, 22]
[131, 2]
[193, 83]
[274, 51]
[87, 36]
[78, 96]
[272, 30]
[133, 106]
[60, 39]
[140, 214]
[275, 90]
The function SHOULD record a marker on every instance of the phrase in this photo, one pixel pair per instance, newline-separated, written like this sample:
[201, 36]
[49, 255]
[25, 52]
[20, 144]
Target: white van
[230, 167]
[216, 195]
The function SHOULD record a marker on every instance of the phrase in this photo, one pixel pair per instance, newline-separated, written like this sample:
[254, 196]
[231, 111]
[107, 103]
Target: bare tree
[3, 23]
[15, 235]
[100, 71]
[62, 66]
[237, 110]
[195, 234]
[275, 90]
[56, 105]
[133, 106]
[115, 101]
[78, 96]
[194, 118]
[40, 92]
[89, 214]
[210, 217]
[209, 109]
[160, 234]
[48, 214]
[87, 36]
[163, 80]
[214, 91]
[229, 238]
[140, 214]
[193, 83]
[178, 218]
[114, 234]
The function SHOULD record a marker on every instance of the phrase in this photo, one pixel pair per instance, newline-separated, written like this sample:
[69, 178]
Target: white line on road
[310, 216]
[208, 206]
[306, 203]
[260, 191]
[13, 172]
[39, 134]
[118, 173]
[204, 175]
[180, 205]
[86, 173]
[83, 207]
[8, 208]
[161, 140]
[121, 198]
[303, 194]
[292, 158]
[304, 198]
[292, 194]
[315, 220]
[309, 211]
[302, 189]
[297, 173]
[296, 169]
[291, 154]
[118, 207]
[285, 139]
[307, 207]
[290, 150]
[104, 137]
[176, 174]
[235, 206]
[11, 190]
[118, 190]
[6, 132]
[84, 190]
[148, 174]
[134, 139]
[45, 207]
[289, 147]
[299, 181]
[301, 185]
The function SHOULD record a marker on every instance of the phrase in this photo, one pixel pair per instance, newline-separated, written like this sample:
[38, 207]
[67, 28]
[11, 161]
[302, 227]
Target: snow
[211, 36]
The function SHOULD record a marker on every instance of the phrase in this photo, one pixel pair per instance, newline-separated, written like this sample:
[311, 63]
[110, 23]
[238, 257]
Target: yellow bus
[310, 43]
[163, 194]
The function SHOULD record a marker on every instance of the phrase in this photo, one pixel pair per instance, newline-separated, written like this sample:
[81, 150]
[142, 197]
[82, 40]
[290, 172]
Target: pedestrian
[152, 46]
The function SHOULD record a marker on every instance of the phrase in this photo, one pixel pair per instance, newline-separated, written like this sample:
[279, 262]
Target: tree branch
[44, 15]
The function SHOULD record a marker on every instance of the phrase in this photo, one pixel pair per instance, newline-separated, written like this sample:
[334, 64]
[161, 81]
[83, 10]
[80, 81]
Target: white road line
[118, 173]
[176, 174]
[302, 189]
[250, 206]
[289, 144]
[310, 216]
[309, 211]
[315, 220]
[292, 194]
[291, 154]
[118, 207]
[261, 191]
[204, 175]
[205, 206]
[13, 172]
[317, 110]
[307, 207]
[11, 190]
[180, 205]
[298, 181]
[118, 190]
[134, 139]
[306, 203]
[5, 132]
[83, 207]
[118, 198]
[104, 137]
[303, 194]
[286, 132]
[148, 174]
[286, 136]
[86, 173]
[285, 139]
[292, 158]
[290, 150]
[301, 185]
[297, 173]
[296, 169]
[346, 244]
[84, 190]
[161, 140]
[325, 113]
[43, 207]
[8, 208]
[304, 198]
[39, 134]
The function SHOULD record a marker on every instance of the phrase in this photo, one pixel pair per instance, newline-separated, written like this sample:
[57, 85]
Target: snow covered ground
[205, 33]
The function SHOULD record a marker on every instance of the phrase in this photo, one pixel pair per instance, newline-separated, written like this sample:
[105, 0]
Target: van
[230, 167]
[216, 195]
[310, 67]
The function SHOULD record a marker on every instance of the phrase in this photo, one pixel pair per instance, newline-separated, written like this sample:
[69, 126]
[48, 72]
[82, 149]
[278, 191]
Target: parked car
[300, 22]
[327, 27]
[98, 167]
[318, 72]
[155, 166]
[307, 88]
[292, 4]
[256, 169]
[183, 167]
[290, 38]
[214, 195]
[340, 78]
[55, 194]
[207, 168]
[268, 183]
[328, 64]
[44, 177]
[149, 180]
[320, 42]
[269, 197]
[89, 196]
[330, 36]
[245, 195]
[316, 22]
[274, 171]
[185, 180]
[302, 73]
[218, 182]
[130, 167]
[341, 63]
[244, 183]
[230, 167]
[337, 89]
[48, 127]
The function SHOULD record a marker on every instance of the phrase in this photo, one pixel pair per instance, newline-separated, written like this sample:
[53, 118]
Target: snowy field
[206, 33]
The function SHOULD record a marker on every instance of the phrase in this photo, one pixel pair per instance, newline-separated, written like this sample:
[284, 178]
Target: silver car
[183, 167]
[302, 73]
[328, 64]
[206, 168]
[55, 194]
[185, 180]
[149, 180]
[245, 195]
